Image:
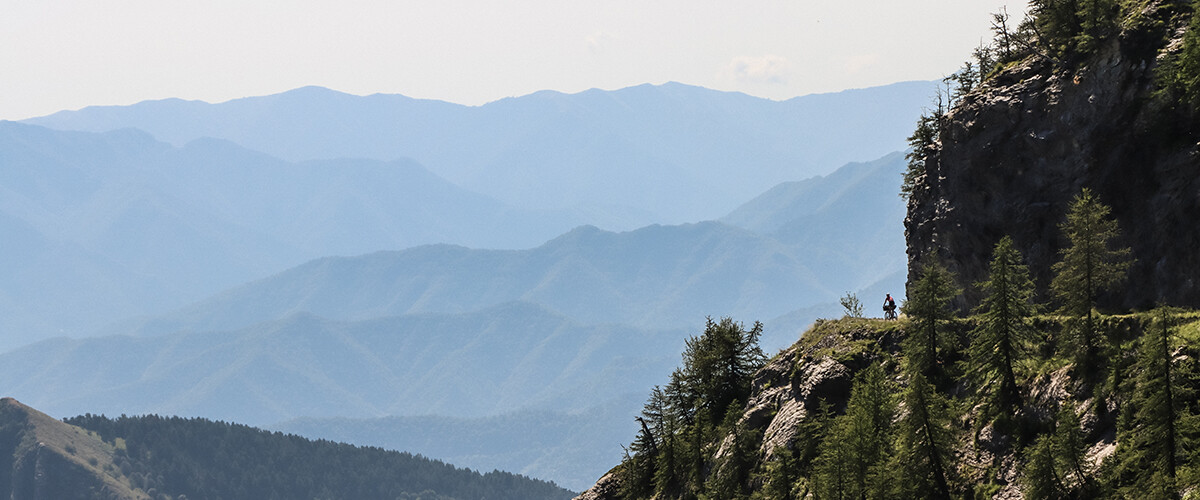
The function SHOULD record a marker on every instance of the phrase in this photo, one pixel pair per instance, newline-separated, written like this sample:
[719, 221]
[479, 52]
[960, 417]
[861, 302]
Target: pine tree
[1073, 472]
[1153, 433]
[1097, 22]
[718, 365]
[920, 145]
[1057, 24]
[1153, 443]
[929, 307]
[1004, 330]
[1180, 73]
[731, 474]
[921, 466]
[780, 476]
[833, 469]
[854, 455]
[1039, 476]
[1089, 266]
[637, 478]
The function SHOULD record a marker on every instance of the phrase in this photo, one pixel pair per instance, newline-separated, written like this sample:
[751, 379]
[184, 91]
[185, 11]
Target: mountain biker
[889, 307]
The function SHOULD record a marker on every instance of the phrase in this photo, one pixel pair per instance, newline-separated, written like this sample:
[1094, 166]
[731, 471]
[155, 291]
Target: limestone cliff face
[1014, 152]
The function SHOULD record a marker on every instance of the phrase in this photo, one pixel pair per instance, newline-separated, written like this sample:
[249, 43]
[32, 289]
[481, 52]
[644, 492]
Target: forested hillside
[175, 457]
[856, 410]
[155, 458]
[1048, 344]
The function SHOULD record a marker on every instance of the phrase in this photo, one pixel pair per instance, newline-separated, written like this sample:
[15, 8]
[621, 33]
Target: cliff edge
[1014, 151]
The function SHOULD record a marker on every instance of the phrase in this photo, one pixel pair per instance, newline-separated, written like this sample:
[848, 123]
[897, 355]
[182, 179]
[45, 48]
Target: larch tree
[1151, 444]
[1090, 264]
[928, 307]
[1004, 330]
[922, 465]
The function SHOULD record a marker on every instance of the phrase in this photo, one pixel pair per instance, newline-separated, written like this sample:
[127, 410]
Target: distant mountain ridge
[99, 227]
[414, 332]
[673, 153]
[658, 276]
[498, 360]
[654, 277]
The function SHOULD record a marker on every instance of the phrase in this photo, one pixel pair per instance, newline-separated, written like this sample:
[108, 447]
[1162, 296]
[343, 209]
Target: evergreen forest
[1052, 398]
[174, 458]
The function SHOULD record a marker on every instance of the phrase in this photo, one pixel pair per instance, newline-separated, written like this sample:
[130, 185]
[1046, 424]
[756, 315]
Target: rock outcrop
[1015, 151]
[44, 459]
[820, 367]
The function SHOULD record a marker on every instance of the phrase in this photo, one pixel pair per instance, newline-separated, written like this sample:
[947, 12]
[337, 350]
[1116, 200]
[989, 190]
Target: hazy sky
[73, 53]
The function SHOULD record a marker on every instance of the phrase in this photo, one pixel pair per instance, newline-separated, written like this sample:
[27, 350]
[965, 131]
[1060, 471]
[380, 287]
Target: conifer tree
[1055, 464]
[1004, 330]
[929, 307]
[921, 467]
[731, 474]
[1150, 448]
[855, 452]
[780, 476]
[833, 468]
[1180, 73]
[1072, 469]
[718, 364]
[920, 145]
[1057, 24]
[1039, 477]
[1089, 266]
[637, 480]
[1097, 21]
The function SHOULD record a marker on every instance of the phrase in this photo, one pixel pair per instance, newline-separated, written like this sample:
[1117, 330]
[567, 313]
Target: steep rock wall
[1017, 150]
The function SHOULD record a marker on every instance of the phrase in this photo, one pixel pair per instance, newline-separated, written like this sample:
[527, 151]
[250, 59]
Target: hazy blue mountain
[572, 448]
[658, 276]
[851, 221]
[99, 227]
[513, 356]
[847, 239]
[467, 336]
[648, 154]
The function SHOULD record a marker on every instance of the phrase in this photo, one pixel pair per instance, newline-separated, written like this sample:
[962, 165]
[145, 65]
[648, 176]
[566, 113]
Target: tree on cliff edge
[929, 307]
[1089, 266]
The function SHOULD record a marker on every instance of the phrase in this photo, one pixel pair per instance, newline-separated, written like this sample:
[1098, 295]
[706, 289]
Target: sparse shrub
[854, 308]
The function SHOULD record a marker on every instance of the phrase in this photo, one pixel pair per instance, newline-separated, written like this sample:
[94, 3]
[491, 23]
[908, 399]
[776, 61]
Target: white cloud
[760, 69]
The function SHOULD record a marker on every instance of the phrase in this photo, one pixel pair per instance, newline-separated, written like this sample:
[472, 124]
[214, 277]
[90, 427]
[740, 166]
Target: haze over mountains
[649, 154]
[106, 226]
[590, 318]
[230, 283]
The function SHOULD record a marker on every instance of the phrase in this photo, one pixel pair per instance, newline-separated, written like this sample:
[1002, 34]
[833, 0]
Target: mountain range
[588, 318]
[376, 296]
[648, 154]
[104, 226]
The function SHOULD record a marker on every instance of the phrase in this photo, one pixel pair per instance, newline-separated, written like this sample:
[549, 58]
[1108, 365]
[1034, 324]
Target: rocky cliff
[820, 367]
[1013, 152]
[988, 455]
